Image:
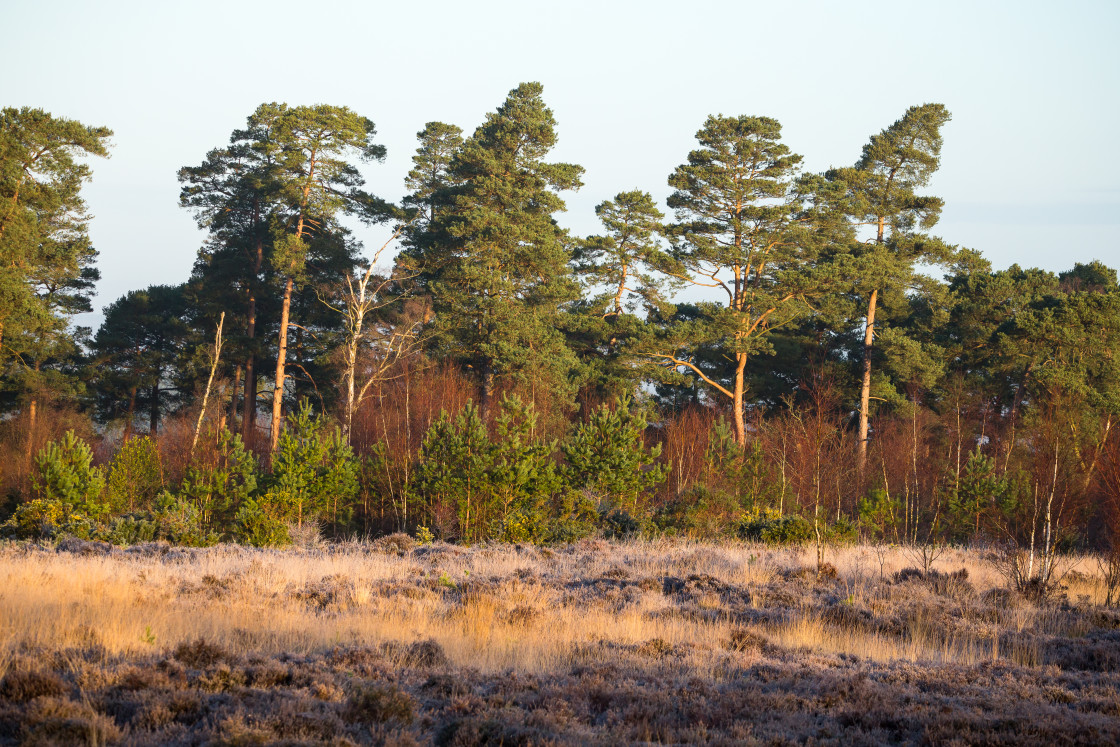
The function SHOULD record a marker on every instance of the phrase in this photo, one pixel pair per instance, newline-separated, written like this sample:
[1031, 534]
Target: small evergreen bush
[218, 483]
[314, 472]
[135, 476]
[607, 456]
[64, 472]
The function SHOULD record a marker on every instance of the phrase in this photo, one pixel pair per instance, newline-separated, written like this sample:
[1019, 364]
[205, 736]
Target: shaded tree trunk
[130, 414]
[153, 410]
[233, 397]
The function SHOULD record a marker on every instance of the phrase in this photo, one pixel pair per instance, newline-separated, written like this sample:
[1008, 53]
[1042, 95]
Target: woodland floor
[592, 643]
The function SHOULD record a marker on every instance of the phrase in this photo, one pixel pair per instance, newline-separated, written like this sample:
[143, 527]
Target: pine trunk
[153, 412]
[865, 388]
[737, 400]
[249, 408]
[233, 397]
[281, 360]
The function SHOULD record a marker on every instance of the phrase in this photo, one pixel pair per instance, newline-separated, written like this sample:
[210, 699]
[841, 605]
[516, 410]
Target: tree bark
[281, 360]
[130, 414]
[737, 400]
[233, 397]
[865, 388]
[153, 409]
[249, 408]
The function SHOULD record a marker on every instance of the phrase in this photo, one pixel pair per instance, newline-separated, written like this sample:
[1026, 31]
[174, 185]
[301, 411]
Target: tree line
[787, 355]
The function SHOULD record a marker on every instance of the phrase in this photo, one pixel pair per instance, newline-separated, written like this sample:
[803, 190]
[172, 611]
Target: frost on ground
[595, 642]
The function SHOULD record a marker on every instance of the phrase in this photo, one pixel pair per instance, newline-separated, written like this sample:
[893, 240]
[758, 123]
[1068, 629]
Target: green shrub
[135, 476]
[774, 529]
[507, 488]
[64, 472]
[608, 457]
[698, 513]
[261, 524]
[172, 519]
[981, 491]
[523, 477]
[47, 518]
[575, 517]
[454, 470]
[842, 532]
[314, 472]
[618, 523]
[879, 514]
[791, 529]
[219, 483]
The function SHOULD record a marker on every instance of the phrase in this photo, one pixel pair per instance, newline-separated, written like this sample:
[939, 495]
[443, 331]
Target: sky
[1030, 169]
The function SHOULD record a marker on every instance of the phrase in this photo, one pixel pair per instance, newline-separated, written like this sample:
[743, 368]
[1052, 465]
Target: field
[596, 642]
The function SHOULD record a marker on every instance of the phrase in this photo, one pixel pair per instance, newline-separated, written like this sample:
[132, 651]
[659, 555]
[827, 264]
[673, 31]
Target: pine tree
[623, 276]
[430, 177]
[744, 229]
[494, 260]
[882, 190]
[275, 196]
[137, 355]
[607, 455]
[46, 258]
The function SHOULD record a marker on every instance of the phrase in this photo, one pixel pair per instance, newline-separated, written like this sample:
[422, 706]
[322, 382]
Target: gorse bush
[47, 518]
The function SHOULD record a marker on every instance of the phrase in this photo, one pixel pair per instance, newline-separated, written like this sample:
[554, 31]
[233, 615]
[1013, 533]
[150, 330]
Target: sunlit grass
[494, 608]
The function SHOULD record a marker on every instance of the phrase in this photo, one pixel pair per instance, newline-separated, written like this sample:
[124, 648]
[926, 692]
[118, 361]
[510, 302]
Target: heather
[603, 642]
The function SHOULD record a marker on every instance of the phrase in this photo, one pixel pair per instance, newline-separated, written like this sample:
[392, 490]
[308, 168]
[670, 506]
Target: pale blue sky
[1030, 168]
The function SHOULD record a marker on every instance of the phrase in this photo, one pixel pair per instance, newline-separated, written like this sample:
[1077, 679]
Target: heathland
[394, 642]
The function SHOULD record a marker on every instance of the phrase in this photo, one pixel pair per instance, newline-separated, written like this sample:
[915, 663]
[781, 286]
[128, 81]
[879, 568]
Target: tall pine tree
[744, 229]
[883, 195]
[493, 258]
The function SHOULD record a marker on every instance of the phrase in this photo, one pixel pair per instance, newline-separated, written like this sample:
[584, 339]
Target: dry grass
[361, 630]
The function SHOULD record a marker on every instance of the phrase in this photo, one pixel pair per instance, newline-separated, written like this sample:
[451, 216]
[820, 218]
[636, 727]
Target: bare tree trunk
[281, 360]
[1049, 533]
[865, 388]
[210, 381]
